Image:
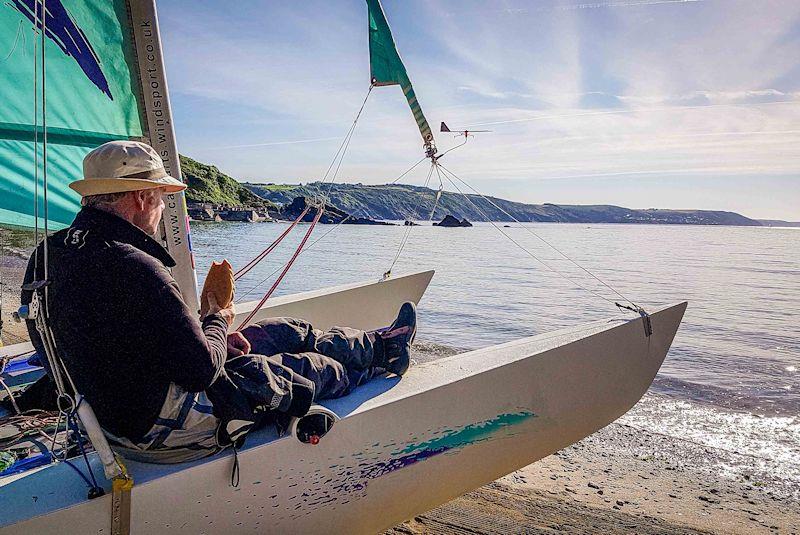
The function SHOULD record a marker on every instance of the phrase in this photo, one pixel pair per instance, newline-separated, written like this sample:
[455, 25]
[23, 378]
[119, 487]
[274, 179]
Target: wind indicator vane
[465, 133]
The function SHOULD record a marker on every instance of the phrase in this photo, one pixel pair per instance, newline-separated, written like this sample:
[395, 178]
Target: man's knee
[278, 335]
[329, 376]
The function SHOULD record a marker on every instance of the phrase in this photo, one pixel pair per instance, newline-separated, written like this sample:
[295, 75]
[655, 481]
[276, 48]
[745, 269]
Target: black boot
[393, 345]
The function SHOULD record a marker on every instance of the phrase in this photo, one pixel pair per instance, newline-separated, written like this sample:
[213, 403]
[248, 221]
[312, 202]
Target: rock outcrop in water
[450, 221]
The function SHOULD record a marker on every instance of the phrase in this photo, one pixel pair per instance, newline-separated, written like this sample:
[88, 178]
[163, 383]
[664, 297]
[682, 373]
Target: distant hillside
[778, 223]
[209, 184]
[398, 201]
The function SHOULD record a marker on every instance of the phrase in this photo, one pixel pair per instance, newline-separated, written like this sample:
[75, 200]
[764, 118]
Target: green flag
[387, 68]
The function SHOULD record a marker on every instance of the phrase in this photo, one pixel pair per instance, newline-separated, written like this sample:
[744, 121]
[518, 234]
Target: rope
[58, 369]
[338, 158]
[312, 244]
[522, 247]
[73, 425]
[285, 270]
[10, 394]
[531, 231]
[451, 149]
[263, 254]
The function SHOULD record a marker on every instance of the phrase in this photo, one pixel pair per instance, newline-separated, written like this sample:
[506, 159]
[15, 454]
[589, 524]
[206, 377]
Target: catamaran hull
[400, 448]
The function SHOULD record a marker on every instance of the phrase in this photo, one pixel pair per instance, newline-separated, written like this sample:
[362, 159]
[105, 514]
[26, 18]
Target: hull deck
[454, 424]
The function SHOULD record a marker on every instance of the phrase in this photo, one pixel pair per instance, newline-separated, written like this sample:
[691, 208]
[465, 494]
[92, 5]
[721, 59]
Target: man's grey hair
[104, 199]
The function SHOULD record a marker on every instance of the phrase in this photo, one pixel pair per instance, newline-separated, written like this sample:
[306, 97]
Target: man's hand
[237, 344]
[214, 307]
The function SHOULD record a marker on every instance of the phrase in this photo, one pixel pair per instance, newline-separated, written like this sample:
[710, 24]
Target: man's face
[150, 206]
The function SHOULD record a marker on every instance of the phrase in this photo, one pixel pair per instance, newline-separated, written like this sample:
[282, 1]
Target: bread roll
[219, 281]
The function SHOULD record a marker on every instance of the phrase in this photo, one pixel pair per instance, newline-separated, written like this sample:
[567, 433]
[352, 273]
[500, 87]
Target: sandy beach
[12, 268]
[619, 480]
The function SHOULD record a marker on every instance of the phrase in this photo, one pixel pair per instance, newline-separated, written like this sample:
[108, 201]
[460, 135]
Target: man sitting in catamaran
[166, 386]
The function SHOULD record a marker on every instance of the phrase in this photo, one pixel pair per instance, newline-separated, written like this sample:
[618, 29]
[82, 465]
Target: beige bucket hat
[119, 166]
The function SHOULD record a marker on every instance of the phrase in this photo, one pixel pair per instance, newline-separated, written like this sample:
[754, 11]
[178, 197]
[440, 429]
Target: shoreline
[608, 482]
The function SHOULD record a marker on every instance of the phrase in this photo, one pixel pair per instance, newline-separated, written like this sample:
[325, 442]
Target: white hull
[401, 447]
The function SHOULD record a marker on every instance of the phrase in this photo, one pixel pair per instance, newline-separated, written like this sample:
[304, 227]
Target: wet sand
[610, 483]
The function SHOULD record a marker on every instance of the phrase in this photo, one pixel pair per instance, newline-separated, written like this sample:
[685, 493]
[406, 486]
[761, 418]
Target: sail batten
[386, 68]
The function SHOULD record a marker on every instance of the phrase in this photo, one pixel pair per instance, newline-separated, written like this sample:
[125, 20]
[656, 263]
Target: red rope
[283, 273]
[263, 254]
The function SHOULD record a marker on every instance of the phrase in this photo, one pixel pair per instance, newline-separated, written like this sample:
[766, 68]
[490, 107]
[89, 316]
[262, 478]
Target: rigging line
[546, 242]
[263, 254]
[47, 332]
[341, 145]
[404, 240]
[44, 192]
[254, 288]
[452, 148]
[413, 215]
[285, 270]
[35, 137]
[404, 173]
[10, 396]
[345, 145]
[438, 195]
[523, 248]
[44, 139]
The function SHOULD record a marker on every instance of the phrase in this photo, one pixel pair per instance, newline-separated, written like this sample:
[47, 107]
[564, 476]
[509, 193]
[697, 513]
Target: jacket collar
[110, 227]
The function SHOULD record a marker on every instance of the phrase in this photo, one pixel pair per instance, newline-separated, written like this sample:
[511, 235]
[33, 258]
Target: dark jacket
[120, 322]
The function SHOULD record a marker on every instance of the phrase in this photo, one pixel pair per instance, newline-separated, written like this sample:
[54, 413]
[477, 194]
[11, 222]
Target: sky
[687, 104]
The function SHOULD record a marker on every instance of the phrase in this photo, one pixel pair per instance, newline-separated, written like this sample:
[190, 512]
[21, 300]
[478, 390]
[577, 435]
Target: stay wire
[324, 198]
[546, 242]
[406, 234]
[343, 148]
[523, 248]
[35, 135]
[349, 131]
[404, 173]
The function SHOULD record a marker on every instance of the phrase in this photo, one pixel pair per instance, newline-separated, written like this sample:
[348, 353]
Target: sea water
[731, 380]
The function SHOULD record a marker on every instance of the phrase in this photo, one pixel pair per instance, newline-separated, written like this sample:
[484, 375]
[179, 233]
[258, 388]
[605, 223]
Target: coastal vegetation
[207, 184]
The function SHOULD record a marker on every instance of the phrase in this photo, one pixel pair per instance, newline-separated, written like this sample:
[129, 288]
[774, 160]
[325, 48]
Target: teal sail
[387, 68]
[92, 95]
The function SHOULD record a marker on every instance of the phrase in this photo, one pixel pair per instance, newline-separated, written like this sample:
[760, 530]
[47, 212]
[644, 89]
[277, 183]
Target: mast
[161, 136]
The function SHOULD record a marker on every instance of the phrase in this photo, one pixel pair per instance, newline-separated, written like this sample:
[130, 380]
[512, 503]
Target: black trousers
[336, 361]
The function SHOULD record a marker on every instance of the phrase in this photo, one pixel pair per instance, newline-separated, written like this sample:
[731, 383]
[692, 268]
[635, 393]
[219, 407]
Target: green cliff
[208, 184]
